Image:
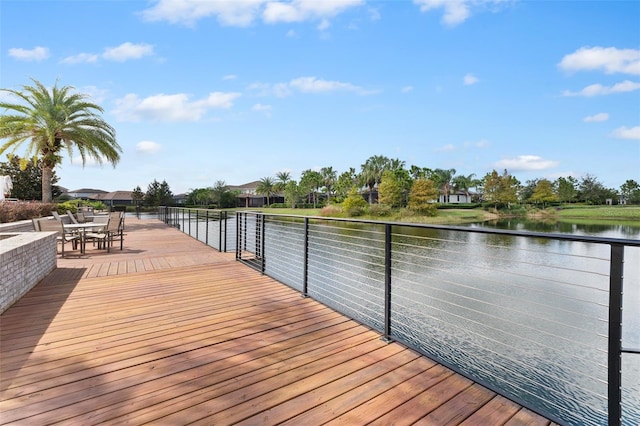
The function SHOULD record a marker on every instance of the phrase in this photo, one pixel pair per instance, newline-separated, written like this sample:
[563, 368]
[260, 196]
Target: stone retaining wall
[25, 259]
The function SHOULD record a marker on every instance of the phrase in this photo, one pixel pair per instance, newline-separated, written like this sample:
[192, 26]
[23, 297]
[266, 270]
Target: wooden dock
[169, 331]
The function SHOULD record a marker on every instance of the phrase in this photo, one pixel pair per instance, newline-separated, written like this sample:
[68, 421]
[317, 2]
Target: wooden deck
[169, 331]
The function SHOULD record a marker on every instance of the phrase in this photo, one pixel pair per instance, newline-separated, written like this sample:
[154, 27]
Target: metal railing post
[387, 283]
[615, 335]
[262, 238]
[305, 267]
[206, 228]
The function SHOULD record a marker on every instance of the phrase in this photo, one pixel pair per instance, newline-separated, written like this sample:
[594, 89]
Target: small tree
[390, 190]
[423, 196]
[543, 193]
[137, 196]
[630, 191]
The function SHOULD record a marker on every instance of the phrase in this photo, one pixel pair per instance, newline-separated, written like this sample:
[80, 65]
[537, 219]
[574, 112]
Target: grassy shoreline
[604, 214]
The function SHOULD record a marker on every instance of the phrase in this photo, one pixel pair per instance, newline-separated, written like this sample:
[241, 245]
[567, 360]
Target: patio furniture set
[79, 229]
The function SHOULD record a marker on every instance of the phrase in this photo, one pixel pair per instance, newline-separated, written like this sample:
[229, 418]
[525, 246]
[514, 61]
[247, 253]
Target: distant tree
[266, 187]
[527, 190]
[200, 197]
[566, 189]
[291, 193]
[345, 182]
[592, 191]
[282, 178]
[371, 173]
[27, 178]
[465, 183]
[328, 180]
[443, 178]
[420, 172]
[390, 190]
[630, 190]
[52, 121]
[310, 182]
[158, 194]
[222, 196]
[423, 197]
[137, 195]
[544, 193]
[501, 190]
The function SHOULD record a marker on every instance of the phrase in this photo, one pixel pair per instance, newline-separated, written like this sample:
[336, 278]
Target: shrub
[21, 210]
[354, 204]
[379, 210]
[330, 211]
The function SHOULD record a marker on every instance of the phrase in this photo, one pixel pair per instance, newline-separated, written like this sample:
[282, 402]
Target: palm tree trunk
[47, 175]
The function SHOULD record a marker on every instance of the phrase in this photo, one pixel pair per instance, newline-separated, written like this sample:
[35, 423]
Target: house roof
[115, 195]
[250, 185]
[87, 191]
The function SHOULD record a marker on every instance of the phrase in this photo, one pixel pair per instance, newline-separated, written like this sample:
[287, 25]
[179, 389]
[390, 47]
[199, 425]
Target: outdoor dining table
[82, 229]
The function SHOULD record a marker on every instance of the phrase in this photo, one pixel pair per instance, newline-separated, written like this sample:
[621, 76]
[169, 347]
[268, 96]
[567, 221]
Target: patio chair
[115, 229]
[36, 224]
[72, 217]
[101, 235]
[46, 225]
[81, 218]
[55, 215]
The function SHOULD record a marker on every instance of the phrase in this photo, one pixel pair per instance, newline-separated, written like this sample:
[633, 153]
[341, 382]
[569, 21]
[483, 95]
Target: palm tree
[328, 180]
[372, 171]
[444, 177]
[282, 178]
[311, 180]
[266, 187]
[55, 120]
[465, 182]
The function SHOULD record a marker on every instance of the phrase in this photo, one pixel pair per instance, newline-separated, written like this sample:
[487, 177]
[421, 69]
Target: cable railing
[215, 228]
[535, 317]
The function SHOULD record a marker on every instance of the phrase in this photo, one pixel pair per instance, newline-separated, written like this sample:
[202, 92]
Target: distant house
[116, 198]
[457, 197]
[247, 196]
[180, 199]
[85, 193]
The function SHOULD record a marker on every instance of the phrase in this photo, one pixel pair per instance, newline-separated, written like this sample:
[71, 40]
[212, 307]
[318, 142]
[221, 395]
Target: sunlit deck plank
[170, 331]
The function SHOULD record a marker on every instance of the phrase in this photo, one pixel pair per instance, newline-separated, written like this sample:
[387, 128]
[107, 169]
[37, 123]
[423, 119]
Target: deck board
[169, 331]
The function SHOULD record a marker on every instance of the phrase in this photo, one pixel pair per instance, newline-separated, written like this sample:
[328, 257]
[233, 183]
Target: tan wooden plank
[526, 417]
[497, 412]
[457, 409]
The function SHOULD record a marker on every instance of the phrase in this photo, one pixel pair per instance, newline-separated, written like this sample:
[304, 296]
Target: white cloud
[230, 77]
[89, 161]
[304, 10]
[81, 58]
[596, 118]
[599, 89]
[609, 59]
[446, 148]
[407, 89]
[127, 51]
[455, 11]
[626, 133]
[525, 163]
[242, 13]
[177, 107]
[36, 54]
[148, 147]
[306, 85]
[292, 34]
[470, 79]
[315, 85]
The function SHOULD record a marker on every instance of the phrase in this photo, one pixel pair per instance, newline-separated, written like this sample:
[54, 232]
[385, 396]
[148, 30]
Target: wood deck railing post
[387, 283]
[305, 267]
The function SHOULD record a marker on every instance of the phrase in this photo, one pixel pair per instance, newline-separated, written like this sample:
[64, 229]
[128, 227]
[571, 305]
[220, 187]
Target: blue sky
[201, 91]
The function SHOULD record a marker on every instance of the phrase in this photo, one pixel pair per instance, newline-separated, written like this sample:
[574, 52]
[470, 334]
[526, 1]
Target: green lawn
[600, 212]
